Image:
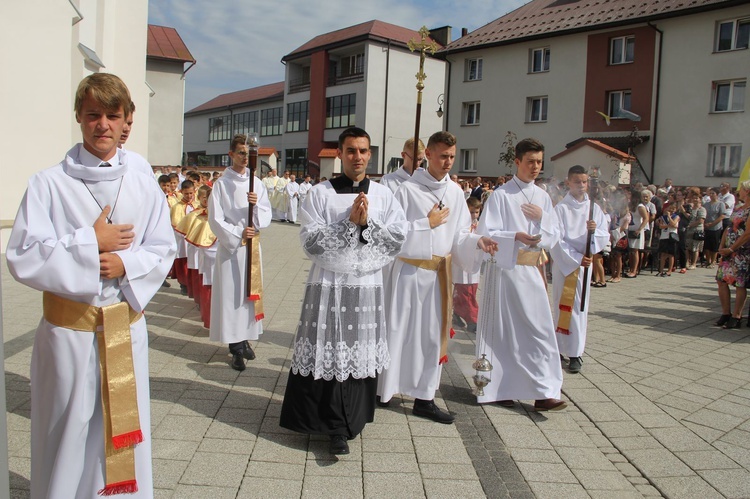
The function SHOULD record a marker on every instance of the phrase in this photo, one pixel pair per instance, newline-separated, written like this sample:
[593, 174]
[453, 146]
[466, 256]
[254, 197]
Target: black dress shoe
[248, 351]
[380, 402]
[339, 445]
[549, 405]
[183, 290]
[506, 403]
[238, 363]
[165, 284]
[428, 409]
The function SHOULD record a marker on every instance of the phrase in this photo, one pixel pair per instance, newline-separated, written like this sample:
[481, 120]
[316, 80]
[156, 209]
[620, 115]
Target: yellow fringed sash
[256, 281]
[532, 258]
[566, 302]
[441, 265]
[122, 430]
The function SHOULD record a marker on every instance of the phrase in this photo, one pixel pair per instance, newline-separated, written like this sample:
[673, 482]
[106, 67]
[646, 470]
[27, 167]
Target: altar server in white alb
[235, 317]
[351, 228]
[515, 321]
[95, 237]
[292, 199]
[136, 162]
[420, 308]
[394, 180]
[569, 261]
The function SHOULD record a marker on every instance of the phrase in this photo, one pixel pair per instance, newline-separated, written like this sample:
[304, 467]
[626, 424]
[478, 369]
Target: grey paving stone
[182, 428]
[389, 485]
[544, 490]
[389, 463]
[331, 466]
[285, 471]
[679, 438]
[451, 471]
[585, 459]
[523, 437]
[602, 480]
[263, 488]
[180, 450]
[201, 492]
[215, 469]
[546, 472]
[613, 429]
[713, 419]
[657, 463]
[167, 472]
[731, 483]
[440, 450]
[536, 456]
[450, 489]
[281, 448]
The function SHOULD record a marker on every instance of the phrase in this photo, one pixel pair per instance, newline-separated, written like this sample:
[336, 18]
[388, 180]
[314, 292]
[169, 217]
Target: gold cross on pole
[424, 48]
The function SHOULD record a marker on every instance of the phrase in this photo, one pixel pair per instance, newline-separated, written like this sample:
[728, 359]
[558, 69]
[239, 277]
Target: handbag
[674, 237]
[699, 235]
[622, 243]
[634, 234]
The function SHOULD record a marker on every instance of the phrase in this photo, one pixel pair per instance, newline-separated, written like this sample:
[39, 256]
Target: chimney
[441, 35]
[464, 32]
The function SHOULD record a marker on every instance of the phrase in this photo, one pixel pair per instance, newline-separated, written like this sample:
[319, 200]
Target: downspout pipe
[385, 108]
[656, 102]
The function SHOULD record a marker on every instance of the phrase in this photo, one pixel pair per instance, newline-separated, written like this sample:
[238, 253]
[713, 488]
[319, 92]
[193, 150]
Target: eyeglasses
[419, 160]
[241, 154]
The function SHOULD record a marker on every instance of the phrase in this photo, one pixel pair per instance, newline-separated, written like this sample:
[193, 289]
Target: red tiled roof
[263, 93]
[370, 30]
[544, 18]
[328, 153]
[165, 43]
[610, 151]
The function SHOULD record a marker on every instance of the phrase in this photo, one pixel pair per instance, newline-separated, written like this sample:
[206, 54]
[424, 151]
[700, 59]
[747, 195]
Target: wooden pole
[588, 244]
[252, 164]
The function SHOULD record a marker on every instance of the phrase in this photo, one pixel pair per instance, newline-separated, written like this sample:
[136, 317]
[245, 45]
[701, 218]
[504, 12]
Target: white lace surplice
[341, 331]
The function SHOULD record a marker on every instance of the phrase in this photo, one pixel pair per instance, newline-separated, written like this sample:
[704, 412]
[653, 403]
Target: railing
[299, 85]
[334, 80]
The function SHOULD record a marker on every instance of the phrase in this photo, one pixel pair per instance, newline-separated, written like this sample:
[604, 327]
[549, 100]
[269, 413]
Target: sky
[239, 44]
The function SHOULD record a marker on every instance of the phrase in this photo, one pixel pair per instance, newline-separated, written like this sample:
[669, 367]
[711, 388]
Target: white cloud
[239, 45]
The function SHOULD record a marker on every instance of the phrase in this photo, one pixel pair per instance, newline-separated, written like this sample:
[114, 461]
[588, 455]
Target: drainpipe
[385, 111]
[656, 102]
[447, 94]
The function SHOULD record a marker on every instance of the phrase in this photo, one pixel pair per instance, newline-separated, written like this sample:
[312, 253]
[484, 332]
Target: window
[219, 128]
[729, 96]
[340, 111]
[724, 160]
[468, 160]
[473, 70]
[618, 101]
[536, 109]
[732, 35]
[539, 60]
[621, 50]
[246, 122]
[270, 121]
[353, 65]
[471, 113]
[296, 162]
[297, 118]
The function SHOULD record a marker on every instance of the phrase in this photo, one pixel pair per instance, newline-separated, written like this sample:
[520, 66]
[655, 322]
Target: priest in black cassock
[351, 228]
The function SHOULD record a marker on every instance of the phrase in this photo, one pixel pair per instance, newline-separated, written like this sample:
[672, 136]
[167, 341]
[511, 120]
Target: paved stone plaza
[661, 408]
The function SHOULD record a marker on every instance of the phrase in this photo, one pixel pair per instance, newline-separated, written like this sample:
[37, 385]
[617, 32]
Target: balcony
[334, 80]
[299, 85]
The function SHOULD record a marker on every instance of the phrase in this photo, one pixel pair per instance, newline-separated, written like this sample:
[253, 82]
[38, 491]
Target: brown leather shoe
[506, 403]
[550, 405]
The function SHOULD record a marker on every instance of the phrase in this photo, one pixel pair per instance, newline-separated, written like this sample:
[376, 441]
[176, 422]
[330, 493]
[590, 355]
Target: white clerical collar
[574, 200]
[521, 183]
[242, 176]
[89, 160]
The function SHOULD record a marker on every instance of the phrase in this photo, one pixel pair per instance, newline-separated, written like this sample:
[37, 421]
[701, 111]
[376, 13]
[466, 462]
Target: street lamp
[440, 100]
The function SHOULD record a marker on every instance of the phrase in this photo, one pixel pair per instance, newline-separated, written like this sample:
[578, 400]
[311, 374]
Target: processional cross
[424, 48]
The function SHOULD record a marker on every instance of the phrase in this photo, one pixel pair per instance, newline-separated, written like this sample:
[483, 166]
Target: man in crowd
[517, 323]
[394, 179]
[292, 197]
[94, 236]
[135, 161]
[351, 228]
[420, 311]
[235, 316]
[569, 261]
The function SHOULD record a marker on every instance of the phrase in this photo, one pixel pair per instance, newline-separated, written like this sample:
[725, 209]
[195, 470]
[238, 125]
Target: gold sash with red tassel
[122, 430]
[441, 265]
[256, 278]
[566, 302]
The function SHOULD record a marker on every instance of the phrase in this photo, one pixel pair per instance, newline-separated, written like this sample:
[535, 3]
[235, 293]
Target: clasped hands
[358, 216]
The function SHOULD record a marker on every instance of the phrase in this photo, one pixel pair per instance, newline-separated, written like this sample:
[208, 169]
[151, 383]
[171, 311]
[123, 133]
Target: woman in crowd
[734, 268]
[713, 226]
[684, 209]
[668, 240]
[619, 240]
[638, 224]
[695, 233]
